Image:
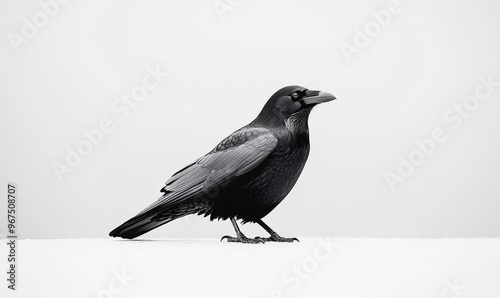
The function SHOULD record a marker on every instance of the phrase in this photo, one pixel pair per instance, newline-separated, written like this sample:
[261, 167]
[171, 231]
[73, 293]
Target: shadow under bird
[245, 176]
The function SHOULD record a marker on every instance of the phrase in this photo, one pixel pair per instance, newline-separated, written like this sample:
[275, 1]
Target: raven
[245, 176]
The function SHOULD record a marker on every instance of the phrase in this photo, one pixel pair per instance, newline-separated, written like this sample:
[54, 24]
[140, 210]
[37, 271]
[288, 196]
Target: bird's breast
[280, 173]
[261, 190]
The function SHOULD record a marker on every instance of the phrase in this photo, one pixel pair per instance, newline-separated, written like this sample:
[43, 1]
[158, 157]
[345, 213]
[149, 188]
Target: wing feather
[236, 155]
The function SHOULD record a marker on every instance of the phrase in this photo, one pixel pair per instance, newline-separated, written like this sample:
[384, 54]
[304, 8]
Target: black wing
[236, 155]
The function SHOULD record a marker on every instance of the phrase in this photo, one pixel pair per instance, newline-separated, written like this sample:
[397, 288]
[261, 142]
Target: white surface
[208, 268]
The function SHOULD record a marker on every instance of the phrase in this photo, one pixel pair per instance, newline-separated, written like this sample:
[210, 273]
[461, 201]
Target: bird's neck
[295, 128]
[272, 118]
[298, 127]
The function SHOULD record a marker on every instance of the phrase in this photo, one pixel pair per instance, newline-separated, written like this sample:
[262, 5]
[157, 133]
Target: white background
[221, 72]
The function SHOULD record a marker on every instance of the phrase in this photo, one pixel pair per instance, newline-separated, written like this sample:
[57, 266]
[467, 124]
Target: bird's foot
[277, 238]
[243, 239]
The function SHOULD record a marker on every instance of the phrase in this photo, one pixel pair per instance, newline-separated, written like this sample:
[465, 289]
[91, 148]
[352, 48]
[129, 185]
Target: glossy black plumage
[246, 175]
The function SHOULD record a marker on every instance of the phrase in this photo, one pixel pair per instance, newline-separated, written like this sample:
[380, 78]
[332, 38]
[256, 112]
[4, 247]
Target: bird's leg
[239, 235]
[274, 236]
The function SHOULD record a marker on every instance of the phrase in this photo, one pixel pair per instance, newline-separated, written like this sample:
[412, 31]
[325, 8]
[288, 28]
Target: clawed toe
[242, 239]
[229, 238]
[278, 238]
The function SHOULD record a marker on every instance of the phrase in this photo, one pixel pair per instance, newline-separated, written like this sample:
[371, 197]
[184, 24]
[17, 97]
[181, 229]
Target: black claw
[260, 241]
[242, 239]
[278, 238]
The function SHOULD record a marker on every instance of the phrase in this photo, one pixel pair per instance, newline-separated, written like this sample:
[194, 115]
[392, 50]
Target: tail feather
[131, 230]
[151, 218]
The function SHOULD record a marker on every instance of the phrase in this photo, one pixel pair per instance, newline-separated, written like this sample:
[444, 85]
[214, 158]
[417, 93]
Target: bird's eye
[296, 95]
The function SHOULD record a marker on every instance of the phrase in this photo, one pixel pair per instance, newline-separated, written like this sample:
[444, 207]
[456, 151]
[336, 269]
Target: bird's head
[292, 101]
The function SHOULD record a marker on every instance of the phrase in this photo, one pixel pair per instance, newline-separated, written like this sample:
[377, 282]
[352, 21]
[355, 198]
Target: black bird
[245, 176]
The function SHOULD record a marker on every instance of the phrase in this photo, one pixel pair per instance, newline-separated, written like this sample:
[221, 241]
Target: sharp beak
[316, 97]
